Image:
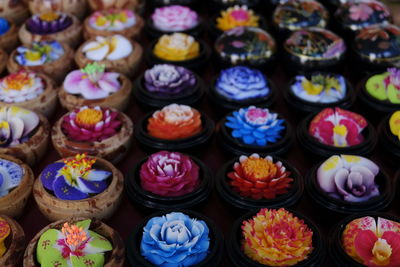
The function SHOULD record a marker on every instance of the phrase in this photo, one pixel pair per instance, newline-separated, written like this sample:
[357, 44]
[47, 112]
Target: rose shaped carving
[169, 174]
[175, 240]
[240, 83]
[351, 178]
[169, 79]
[174, 18]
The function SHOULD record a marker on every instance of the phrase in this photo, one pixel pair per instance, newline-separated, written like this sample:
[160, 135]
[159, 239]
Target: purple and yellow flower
[74, 178]
[92, 82]
[48, 23]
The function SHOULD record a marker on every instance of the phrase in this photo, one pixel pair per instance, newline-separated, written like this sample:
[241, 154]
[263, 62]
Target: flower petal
[71, 82]
[64, 191]
[49, 174]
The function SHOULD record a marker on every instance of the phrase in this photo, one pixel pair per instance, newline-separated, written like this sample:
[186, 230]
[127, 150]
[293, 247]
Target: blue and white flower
[11, 175]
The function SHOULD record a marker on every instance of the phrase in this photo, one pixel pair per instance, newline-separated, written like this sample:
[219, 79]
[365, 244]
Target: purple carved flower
[48, 23]
[169, 79]
[350, 178]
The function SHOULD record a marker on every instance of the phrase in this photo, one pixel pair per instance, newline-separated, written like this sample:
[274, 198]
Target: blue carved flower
[74, 179]
[4, 26]
[255, 126]
[240, 83]
[175, 240]
[11, 175]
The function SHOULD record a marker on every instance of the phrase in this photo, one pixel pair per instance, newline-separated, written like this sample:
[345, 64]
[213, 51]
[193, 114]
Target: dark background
[127, 216]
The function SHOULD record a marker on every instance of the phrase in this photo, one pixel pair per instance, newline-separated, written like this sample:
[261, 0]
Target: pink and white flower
[174, 18]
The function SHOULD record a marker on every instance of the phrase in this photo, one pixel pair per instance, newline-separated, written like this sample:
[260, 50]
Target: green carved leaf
[85, 224]
[393, 94]
[93, 260]
[376, 87]
[45, 251]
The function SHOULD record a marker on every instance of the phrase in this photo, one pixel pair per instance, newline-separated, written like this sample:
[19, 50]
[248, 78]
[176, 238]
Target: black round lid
[298, 14]
[356, 15]
[378, 43]
[245, 45]
[315, 44]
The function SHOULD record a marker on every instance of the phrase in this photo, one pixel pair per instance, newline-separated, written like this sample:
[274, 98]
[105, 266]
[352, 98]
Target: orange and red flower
[258, 178]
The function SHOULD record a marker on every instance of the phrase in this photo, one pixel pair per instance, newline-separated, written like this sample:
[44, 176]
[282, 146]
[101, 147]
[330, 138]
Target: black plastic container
[135, 258]
[389, 141]
[224, 104]
[150, 202]
[151, 100]
[257, 53]
[379, 108]
[375, 48]
[243, 204]
[195, 64]
[218, 5]
[336, 251]
[298, 61]
[156, 3]
[239, 259]
[236, 147]
[191, 144]
[336, 206]
[304, 106]
[320, 150]
[154, 33]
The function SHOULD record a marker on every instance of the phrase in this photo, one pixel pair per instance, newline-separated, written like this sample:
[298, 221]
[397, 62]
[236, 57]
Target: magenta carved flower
[92, 82]
[169, 174]
[360, 11]
[91, 124]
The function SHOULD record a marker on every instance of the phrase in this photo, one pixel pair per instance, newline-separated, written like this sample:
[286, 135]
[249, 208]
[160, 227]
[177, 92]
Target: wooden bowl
[118, 100]
[31, 151]
[100, 206]
[14, 10]
[3, 61]
[71, 36]
[14, 202]
[57, 69]
[15, 250]
[131, 32]
[127, 65]
[45, 103]
[77, 8]
[9, 40]
[112, 149]
[115, 258]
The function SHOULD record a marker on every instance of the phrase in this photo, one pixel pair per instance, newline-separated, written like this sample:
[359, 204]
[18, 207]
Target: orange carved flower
[259, 178]
[175, 122]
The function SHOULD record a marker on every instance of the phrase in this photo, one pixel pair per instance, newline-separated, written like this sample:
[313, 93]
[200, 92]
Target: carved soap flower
[174, 18]
[320, 88]
[5, 231]
[169, 174]
[4, 26]
[112, 20]
[75, 245]
[350, 178]
[259, 178]
[74, 178]
[48, 23]
[175, 239]
[16, 125]
[39, 54]
[10, 176]
[338, 127]
[237, 16]
[108, 48]
[176, 47]
[169, 79]
[385, 86]
[21, 86]
[394, 124]
[255, 126]
[92, 82]
[174, 122]
[373, 242]
[241, 83]
[276, 238]
[87, 124]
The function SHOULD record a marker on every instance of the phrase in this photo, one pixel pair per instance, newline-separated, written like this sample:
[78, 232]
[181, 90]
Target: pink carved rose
[174, 18]
[169, 174]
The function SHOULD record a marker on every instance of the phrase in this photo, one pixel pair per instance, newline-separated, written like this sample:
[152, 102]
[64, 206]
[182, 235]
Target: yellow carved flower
[311, 88]
[177, 47]
[237, 16]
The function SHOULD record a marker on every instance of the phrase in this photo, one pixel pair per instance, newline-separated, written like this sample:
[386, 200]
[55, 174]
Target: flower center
[74, 235]
[381, 252]
[89, 116]
[76, 167]
[256, 116]
[94, 71]
[240, 15]
[51, 16]
[258, 168]
[18, 81]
